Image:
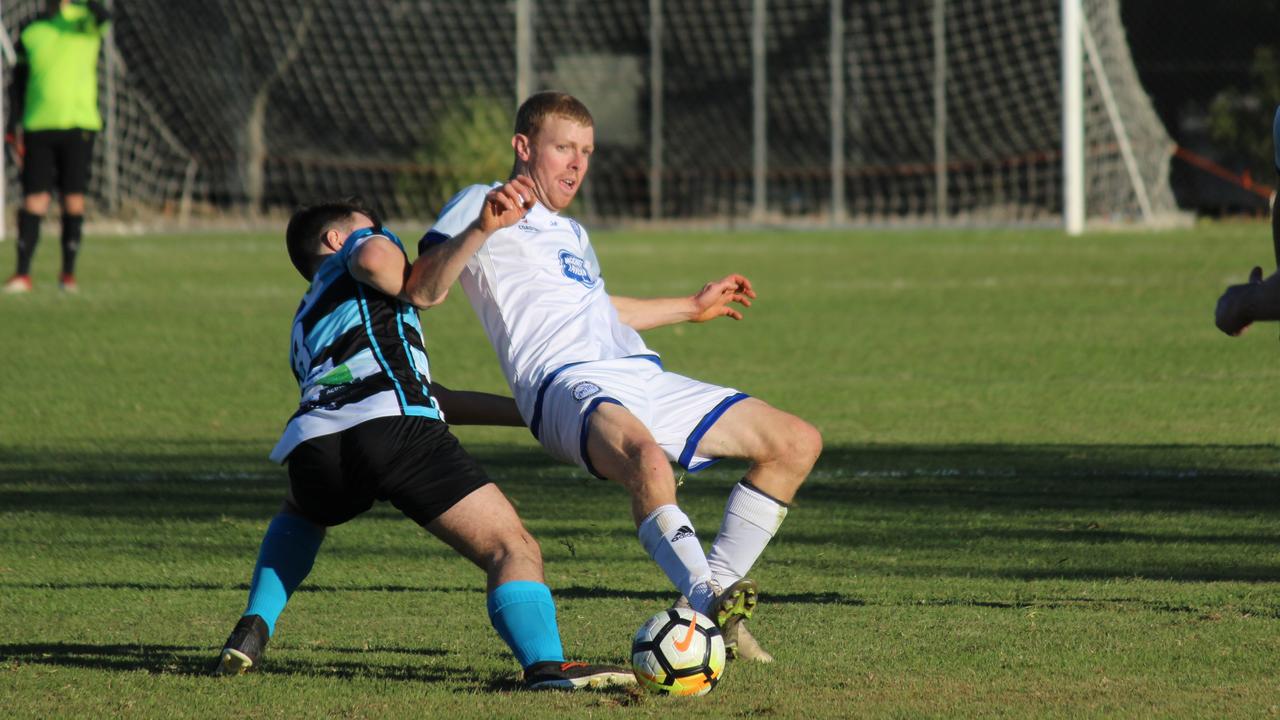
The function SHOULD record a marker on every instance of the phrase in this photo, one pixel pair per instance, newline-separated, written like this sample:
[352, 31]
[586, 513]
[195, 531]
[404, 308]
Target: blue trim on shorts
[695, 437]
[536, 423]
[651, 358]
[582, 432]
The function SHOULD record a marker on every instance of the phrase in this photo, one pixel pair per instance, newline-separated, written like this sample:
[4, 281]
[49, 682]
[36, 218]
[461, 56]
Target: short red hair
[540, 106]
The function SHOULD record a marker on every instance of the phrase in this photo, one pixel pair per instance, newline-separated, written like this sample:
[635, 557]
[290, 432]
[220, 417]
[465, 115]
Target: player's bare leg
[782, 449]
[484, 528]
[37, 203]
[622, 449]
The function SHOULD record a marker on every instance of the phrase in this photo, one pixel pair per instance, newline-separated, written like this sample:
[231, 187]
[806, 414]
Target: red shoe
[16, 285]
[67, 283]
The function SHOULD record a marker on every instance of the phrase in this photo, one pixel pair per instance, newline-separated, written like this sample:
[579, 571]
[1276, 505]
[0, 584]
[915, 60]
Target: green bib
[62, 88]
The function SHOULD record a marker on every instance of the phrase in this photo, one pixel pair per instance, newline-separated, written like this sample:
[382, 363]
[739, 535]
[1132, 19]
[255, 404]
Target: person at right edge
[1258, 299]
[53, 120]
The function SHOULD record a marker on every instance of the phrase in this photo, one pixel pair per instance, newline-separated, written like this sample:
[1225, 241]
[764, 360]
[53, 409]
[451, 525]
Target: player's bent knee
[810, 445]
[515, 547]
[636, 464]
[797, 445]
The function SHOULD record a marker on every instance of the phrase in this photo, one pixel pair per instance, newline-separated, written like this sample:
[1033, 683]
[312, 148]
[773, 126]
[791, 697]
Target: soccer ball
[678, 652]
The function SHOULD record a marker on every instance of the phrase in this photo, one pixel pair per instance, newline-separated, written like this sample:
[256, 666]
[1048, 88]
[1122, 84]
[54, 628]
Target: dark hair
[540, 106]
[308, 225]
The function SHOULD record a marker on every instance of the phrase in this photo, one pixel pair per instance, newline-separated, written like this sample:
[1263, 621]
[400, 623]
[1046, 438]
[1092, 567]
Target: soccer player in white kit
[595, 395]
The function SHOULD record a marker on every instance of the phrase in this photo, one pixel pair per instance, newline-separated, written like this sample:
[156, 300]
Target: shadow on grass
[189, 660]
[569, 592]
[225, 480]
[1091, 504]
[194, 660]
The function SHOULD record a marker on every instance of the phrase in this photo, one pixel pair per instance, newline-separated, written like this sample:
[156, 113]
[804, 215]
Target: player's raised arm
[714, 300]
[439, 266]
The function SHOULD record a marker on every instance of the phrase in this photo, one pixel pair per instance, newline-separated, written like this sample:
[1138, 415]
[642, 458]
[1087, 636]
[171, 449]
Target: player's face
[557, 159]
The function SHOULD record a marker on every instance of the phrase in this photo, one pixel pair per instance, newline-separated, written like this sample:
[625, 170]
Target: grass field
[1048, 490]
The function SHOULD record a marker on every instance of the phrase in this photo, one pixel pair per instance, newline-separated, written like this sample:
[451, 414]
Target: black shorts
[414, 462]
[62, 155]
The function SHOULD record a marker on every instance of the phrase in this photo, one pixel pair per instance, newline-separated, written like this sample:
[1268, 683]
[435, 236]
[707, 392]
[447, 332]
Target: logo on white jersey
[584, 390]
[575, 268]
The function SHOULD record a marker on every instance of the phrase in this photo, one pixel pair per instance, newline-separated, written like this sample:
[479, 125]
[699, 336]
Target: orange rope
[1242, 180]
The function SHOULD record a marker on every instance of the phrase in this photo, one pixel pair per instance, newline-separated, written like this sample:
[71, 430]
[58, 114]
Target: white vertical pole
[8, 58]
[758, 121]
[4, 153]
[1073, 210]
[838, 212]
[655, 109]
[524, 50]
[940, 107]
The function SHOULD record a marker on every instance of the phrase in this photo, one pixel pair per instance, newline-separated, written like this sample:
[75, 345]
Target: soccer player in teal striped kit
[370, 426]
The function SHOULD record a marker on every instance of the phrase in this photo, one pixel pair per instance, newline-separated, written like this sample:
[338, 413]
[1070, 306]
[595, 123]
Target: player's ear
[520, 143]
[333, 239]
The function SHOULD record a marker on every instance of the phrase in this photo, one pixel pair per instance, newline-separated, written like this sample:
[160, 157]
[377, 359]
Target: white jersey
[537, 289]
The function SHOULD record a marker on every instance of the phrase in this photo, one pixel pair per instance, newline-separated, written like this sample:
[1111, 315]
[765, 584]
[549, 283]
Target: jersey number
[298, 353]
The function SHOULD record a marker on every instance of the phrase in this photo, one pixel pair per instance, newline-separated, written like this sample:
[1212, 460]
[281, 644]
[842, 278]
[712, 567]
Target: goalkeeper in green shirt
[53, 121]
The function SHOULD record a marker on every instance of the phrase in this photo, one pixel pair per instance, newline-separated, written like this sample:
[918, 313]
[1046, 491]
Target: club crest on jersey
[575, 268]
[584, 390]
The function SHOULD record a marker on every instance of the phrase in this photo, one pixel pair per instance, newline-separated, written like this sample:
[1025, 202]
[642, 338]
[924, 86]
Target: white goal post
[803, 113]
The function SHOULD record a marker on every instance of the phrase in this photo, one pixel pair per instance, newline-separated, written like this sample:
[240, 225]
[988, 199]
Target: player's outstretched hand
[1233, 315]
[504, 206]
[714, 299]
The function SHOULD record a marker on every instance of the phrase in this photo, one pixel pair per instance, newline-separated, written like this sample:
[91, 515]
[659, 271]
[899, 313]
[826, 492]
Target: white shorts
[677, 410]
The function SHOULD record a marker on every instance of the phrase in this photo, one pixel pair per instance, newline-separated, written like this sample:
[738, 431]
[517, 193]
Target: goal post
[7, 59]
[1073, 204]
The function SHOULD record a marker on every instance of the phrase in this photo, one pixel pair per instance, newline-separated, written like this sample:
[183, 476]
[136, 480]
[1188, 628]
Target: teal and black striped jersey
[357, 354]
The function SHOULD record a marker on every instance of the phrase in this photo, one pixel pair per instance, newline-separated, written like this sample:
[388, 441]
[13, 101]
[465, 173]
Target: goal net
[775, 111]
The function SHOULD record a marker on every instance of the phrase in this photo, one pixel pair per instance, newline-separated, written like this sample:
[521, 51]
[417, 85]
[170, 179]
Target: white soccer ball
[678, 652]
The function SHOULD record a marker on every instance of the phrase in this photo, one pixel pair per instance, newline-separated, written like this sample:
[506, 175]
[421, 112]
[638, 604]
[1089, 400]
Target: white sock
[668, 536]
[750, 520]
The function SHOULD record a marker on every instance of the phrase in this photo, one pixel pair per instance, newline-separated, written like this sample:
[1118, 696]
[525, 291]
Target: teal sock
[288, 550]
[525, 616]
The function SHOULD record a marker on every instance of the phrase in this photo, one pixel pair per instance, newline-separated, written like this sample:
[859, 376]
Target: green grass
[1048, 490]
